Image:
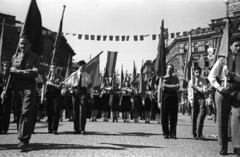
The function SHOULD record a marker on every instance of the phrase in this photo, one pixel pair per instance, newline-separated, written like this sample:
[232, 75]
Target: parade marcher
[53, 95]
[24, 69]
[169, 106]
[136, 100]
[227, 97]
[197, 86]
[5, 107]
[79, 85]
[114, 102]
[147, 104]
[94, 106]
[210, 106]
[125, 106]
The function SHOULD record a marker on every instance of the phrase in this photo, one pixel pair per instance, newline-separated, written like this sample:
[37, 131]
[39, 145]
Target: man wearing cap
[79, 85]
[5, 107]
[228, 98]
[53, 95]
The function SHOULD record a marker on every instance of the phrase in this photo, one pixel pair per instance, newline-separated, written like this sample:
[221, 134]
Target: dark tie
[80, 81]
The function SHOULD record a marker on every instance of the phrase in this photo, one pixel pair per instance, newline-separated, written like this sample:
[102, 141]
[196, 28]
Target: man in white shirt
[197, 86]
[80, 86]
[227, 98]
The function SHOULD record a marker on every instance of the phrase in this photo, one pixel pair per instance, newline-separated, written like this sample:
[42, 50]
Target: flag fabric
[111, 62]
[103, 80]
[224, 46]
[59, 35]
[133, 76]
[188, 63]
[142, 84]
[160, 62]
[68, 70]
[215, 57]
[33, 28]
[201, 62]
[121, 79]
[92, 68]
[1, 43]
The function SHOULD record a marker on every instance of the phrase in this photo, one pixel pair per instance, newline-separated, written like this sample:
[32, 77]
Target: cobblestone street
[108, 139]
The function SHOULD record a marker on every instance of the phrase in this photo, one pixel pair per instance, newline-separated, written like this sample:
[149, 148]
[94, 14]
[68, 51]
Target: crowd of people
[20, 80]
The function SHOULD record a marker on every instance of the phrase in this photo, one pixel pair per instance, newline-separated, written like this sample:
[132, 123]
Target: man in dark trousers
[225, 78]
[5, 107]
[24, 69]
[80, 86]
[169, 106]
[197, 86]
[53, 95]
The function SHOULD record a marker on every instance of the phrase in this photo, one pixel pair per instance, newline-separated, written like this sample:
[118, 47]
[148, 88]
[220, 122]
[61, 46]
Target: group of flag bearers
[224, 77]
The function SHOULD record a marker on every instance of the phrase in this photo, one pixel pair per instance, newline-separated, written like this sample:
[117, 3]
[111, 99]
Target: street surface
[108, 139]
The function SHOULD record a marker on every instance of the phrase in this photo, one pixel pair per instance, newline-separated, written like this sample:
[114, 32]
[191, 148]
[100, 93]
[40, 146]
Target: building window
[195, 47]
[185, 48]
[206, 46]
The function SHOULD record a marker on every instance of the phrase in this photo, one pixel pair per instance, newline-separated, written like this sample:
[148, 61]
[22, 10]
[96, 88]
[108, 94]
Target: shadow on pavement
[49, 146]
[143, 134]
[131, 146]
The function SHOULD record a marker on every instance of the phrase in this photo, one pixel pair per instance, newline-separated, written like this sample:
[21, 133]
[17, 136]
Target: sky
[119, 17]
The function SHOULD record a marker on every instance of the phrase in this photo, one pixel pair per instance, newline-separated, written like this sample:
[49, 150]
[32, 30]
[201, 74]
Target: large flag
[1, 44]
[92, 68]
[133, 76]
[223, 49]
[111, 62]
[160, 62]
[59, 35]
[33, 28]
[188, 63]
[215, 57]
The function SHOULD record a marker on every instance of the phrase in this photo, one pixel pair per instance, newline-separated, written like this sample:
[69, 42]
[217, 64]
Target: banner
[111, 62]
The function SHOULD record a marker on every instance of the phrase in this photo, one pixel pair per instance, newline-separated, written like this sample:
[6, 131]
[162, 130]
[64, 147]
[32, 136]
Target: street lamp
[227, 6]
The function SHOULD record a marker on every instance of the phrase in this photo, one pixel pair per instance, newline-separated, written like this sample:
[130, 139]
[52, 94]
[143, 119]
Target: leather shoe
[55, 132]
[173, 137]
[201, 137]
[77, 132]
[166, 136]
[50, 131]
[223, 152]
[83, 132]
[22, 144]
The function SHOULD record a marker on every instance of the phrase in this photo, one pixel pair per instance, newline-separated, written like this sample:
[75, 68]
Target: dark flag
[188, 63]
[160, 62]
[142, 83]
[224, 45]
[80, 36]
[33, 28]
[68, 70]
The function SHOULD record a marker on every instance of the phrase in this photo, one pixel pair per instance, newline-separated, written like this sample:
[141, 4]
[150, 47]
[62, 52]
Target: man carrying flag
[24, 69]
[167, 90]
[225, 77]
